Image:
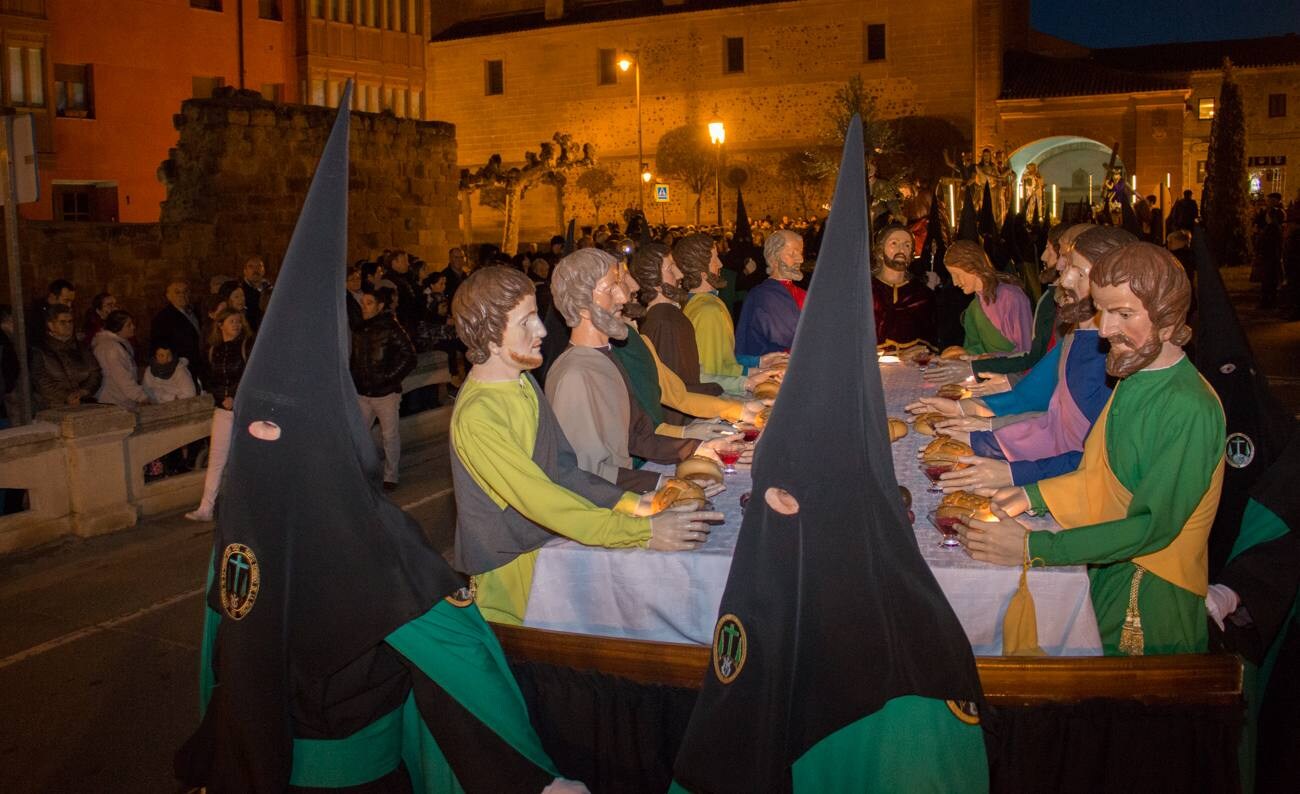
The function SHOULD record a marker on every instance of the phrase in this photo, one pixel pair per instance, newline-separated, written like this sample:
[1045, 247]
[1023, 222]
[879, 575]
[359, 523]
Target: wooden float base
[1214, 679]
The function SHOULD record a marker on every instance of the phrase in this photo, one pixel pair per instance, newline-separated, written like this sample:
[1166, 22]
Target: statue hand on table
[940, 405]
[769, 360]
[1001, 542]
[956, 435]
[707, 430]
[980, 473]
[989, 383]
[672, 531]
[1014, 500]
[947, 370]
[967, 424]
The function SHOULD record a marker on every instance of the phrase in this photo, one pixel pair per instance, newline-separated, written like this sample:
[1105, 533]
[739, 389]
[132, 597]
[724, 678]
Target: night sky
[1109, 23]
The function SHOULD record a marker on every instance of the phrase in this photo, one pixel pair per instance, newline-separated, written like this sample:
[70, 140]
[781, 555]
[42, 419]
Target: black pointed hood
[334, 565]
[1256, 421]
[988, 222]
[570, 240]
[932, 254]
[968, 225]
[743, 234]
[1128, 218]
[825, 607]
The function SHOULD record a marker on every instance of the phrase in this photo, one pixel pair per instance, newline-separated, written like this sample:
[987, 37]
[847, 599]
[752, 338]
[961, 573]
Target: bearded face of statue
[1135, 342]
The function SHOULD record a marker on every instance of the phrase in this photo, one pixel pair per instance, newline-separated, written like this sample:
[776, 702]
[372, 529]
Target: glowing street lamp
[717, 136]
[646, 176]
[629, 61]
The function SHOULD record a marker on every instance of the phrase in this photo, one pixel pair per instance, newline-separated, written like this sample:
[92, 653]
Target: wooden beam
[1007, 681]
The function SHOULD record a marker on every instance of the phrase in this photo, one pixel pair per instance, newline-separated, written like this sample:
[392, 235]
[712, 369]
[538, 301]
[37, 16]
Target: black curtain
[618, 736]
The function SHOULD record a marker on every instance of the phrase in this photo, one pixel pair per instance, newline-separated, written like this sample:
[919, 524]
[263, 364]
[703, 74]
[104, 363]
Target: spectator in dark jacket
[229, 345]
[353, 297]
[1183, 214]
[408, 302]
[60, 293]
[64, 371]
[176, 327]
[253, 285]
[382, 355]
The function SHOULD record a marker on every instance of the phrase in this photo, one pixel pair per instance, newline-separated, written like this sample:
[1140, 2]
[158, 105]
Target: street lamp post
[717, 136]
[628, 62]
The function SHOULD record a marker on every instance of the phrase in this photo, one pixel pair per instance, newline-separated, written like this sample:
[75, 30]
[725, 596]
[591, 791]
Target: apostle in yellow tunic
[516, 477]
[1138, 510]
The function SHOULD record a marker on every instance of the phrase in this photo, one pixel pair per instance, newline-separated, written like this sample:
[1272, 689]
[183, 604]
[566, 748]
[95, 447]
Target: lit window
[1205, 109]
[269, 9]
[875, 43]
[494, 78]
[74, 98]
[733, 55]
[26, 76]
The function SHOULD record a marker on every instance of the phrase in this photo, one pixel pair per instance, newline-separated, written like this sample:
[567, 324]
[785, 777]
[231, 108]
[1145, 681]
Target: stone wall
[243, 165]
[237, 179]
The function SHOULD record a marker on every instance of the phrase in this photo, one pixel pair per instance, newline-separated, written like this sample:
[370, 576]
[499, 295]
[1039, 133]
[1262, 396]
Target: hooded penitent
[743, 232]
[314, 568]
[968, 226]
[833, 639]
[1258, 427]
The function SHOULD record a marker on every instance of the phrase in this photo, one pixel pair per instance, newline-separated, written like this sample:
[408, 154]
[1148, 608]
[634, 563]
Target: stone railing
[83, 467]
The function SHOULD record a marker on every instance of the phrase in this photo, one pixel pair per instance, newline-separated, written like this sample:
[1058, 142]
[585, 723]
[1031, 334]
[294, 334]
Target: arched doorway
[1067, 161]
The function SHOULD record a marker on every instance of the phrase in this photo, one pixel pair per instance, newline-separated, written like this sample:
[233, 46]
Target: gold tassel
[1131, 641]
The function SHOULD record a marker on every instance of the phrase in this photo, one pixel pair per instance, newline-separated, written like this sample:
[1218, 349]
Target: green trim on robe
[642, 373]
[455, 647]
[1258, 525]
[1044, 320]
[912, 744]
[715, 336]
[1165, 434]
[208, 644]
[982, 336]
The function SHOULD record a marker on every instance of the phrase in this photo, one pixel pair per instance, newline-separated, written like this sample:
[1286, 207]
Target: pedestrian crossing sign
[661, 193]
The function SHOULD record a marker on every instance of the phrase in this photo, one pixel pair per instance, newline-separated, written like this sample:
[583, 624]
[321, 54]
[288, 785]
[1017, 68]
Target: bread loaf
[897, 429]
[925, 423]
[760, 419]
[945, 450]
[767, 390]
[953, 391]
[700, 470]
[680, 494]
[963, 506]
[953, 352]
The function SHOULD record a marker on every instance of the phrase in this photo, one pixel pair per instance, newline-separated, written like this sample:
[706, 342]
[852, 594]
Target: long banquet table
[674, 597]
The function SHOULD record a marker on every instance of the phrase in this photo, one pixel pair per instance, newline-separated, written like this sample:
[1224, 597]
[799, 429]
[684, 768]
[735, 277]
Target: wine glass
[947, 527]
[933, 471]
[729, 453]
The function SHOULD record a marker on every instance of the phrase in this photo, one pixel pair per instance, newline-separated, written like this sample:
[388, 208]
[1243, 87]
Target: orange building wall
[144, 54]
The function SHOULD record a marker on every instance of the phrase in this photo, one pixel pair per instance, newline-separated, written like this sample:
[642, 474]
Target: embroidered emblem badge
[240, 580]
[1240, 450]
[965, 710]
[461, 598]
[730, 648]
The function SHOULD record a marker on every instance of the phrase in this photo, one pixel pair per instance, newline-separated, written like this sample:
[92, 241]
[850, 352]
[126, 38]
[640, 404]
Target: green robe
[1164, 437]
[452, 645]
[864, 755]
[715, 338]
[982, 336]
[1044, 320]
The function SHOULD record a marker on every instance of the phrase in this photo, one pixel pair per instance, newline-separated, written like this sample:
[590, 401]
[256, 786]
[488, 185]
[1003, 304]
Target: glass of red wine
[749, 432]
[729, 454]
[947, 527]
[932, 471]
[923, 357]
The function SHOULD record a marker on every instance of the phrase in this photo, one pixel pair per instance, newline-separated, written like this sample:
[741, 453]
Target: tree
[878, 139]
[685, 154]
[1225, 202]
[804, 174]
[598, 184]
[549, 165]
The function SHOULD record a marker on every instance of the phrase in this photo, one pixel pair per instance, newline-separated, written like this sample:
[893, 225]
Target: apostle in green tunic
[1138, 510]
[999, 319]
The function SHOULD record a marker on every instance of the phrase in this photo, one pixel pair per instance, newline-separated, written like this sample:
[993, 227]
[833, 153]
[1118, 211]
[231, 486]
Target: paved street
[98, 649]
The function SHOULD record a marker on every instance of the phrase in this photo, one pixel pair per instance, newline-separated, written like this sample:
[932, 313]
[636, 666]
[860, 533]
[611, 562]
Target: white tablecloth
[674, 597]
